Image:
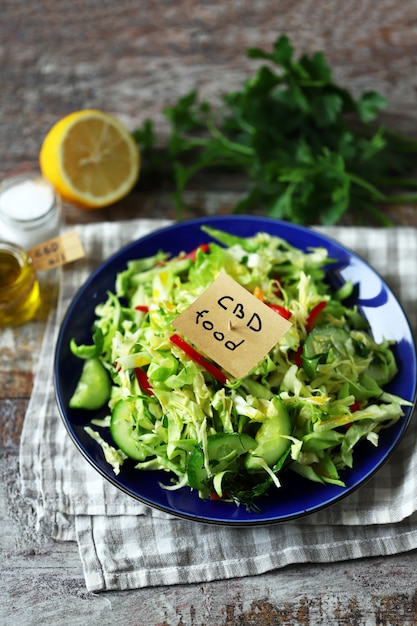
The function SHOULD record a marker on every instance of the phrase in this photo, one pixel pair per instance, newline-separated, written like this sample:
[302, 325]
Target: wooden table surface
[132, 59]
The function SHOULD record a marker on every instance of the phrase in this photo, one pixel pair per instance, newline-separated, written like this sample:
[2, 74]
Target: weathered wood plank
[12, 412]
[16, 384]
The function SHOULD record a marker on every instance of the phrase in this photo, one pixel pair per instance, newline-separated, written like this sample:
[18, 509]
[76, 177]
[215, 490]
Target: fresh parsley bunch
[307, 148]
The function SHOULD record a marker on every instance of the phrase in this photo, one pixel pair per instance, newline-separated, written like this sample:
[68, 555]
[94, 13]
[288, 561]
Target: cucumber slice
[322, 339]
[93, 388]
[221, 445]
[270, 438]
[122, 429]
[196, 471]
[223, 450]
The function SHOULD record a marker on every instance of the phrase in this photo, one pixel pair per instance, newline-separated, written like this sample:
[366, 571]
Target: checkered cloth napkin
[124, 544]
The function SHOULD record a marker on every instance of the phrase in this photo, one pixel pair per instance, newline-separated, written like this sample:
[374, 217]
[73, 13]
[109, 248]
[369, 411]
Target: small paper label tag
[57, 251]
[231, 326]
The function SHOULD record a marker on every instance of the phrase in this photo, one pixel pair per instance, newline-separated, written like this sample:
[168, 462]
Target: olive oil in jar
[19, 287]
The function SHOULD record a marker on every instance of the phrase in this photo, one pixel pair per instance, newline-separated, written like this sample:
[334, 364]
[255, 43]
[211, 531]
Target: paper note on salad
[231, 326]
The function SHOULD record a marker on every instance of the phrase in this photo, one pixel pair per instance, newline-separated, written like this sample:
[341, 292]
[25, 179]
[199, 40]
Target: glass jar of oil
[19, 287]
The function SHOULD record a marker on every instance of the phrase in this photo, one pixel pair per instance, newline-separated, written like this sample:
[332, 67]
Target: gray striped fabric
[124, 544]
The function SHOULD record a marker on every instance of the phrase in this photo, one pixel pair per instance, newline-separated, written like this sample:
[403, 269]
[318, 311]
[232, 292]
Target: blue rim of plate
[297, 496]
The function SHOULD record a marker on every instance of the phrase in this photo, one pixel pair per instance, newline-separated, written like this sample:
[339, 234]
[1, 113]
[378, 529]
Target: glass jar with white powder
[30, 211]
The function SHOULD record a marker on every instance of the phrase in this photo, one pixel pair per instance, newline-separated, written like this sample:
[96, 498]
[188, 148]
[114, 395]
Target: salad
[303, 408]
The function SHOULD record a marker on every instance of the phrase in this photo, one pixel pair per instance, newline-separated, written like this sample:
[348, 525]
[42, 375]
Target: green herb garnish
[308, 150]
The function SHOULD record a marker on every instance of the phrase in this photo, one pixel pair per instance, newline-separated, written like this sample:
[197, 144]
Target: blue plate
[297, 497]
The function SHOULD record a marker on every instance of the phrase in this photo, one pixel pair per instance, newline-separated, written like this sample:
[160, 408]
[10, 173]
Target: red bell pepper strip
[281, 310]
[215, 496]
[142, 307]
[198, 358]
[355, 406]
[277, 288]
[298, 356]
[315, 311]
[143, 381]
[192, 255]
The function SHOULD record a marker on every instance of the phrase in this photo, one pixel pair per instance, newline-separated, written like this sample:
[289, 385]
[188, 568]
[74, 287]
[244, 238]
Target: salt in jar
[30, 211]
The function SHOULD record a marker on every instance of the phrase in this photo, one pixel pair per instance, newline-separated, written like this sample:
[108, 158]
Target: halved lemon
[90, 158]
